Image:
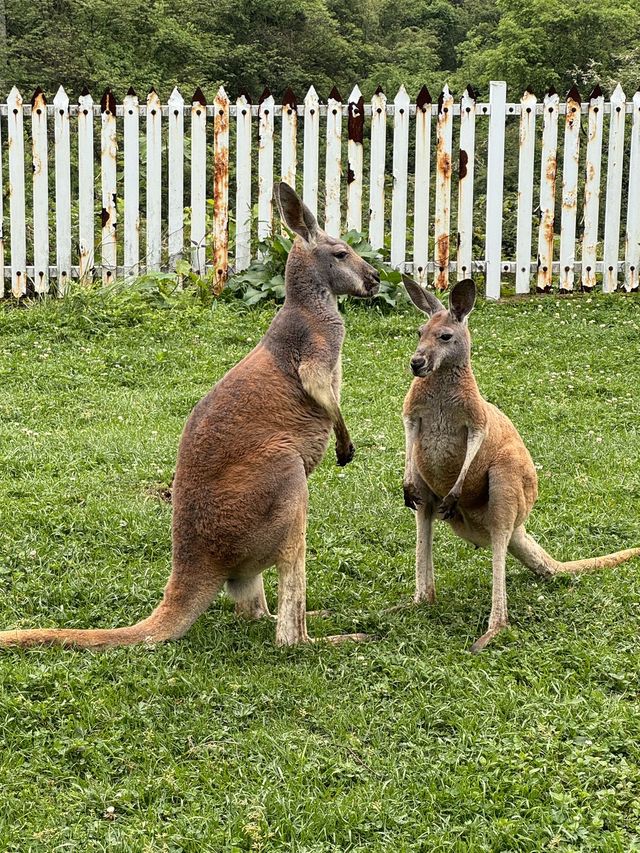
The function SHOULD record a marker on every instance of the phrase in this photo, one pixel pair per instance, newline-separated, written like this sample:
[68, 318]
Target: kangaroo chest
[442, 445]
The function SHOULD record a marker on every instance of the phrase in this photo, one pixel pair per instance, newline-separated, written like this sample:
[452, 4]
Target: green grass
[222, 742]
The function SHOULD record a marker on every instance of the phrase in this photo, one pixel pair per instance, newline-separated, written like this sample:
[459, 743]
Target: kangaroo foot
[483, 641]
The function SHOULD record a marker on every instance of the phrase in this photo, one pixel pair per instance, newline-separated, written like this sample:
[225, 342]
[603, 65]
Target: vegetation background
[247, 44]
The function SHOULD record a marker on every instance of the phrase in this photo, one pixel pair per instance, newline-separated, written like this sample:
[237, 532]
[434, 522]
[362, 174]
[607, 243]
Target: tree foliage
[247, 44]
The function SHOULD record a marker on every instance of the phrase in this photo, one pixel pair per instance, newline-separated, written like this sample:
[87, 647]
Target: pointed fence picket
[109, 150]
[86, 213]
[35, 261]
[243, 183]
[40, 158]
[614, 191]
[131, 184]
[220, 189]
[289, 155]
[17, 224]
[422, 181]
[333, 166]
[495, 188]
[466, 170]
[525, 191]
[592, 188]
[175, 198]
[198, 233]
[570, 190]
[442, 222]
[266, 111]
[632, 241]
[548, 170]
[63, 189]
[355, 159]
[311, 150]
[400, 178]
[154, 181]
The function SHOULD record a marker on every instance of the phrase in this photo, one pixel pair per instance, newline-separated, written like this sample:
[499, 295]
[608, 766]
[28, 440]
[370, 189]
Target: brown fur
[466, 461]
[240, 488]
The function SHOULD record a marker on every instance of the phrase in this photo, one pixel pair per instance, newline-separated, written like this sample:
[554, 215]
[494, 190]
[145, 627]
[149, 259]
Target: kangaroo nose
[417, 363]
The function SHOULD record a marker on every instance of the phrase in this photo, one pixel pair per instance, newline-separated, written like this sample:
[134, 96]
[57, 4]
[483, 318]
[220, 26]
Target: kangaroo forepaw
[344, 454]
[411, 497]
[449, 507]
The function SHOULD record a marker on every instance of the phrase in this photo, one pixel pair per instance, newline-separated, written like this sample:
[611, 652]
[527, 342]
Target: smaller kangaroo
[466, 461]
[240, 489]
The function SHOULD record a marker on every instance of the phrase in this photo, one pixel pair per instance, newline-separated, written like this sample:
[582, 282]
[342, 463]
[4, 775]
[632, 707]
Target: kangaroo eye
[341, 255]
[445, 337]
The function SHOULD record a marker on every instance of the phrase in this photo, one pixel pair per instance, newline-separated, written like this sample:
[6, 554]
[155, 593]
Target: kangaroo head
[445, 341]
[317, 262]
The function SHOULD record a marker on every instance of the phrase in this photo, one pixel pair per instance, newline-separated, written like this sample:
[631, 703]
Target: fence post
[175, 198]
[422, 179]
[495, 188]
[333, 169]
[614, 191]
[570, 189]
[465, 183]
[86, 228]
[63, 190]
[40, 158]
[15, 122]
[632, 242]
[243, 182]
[592, 188]
[198, 233]
[355, 159]
[131, 237]
[221, 189]
[524, 228]
[400, 168]
[109, 149]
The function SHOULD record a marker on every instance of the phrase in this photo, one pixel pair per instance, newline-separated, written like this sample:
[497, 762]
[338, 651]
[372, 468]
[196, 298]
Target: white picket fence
[177, 224]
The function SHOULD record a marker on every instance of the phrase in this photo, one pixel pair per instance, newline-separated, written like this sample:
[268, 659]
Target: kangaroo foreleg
[412, 482]
[317, 381]
[475, 437]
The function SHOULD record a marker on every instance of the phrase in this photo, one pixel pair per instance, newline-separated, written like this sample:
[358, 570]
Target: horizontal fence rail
[541, 192]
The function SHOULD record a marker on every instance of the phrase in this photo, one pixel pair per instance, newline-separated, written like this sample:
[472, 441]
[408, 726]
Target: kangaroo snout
[372, 281]
[418, 364]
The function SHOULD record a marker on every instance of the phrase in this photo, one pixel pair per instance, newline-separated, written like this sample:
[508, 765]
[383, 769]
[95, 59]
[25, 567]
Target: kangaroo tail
[180, 607]
[525, 548]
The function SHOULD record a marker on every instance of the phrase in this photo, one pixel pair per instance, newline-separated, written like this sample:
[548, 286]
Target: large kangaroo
[465, 460]
[240, 488]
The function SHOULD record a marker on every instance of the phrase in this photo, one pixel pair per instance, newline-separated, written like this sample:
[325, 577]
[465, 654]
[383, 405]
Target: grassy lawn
[222, 742]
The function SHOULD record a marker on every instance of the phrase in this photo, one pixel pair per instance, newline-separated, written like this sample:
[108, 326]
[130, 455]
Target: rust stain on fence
[38, 106]
[221, 189]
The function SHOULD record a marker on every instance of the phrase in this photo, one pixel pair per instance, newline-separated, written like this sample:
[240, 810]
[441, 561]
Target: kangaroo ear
[295, 213]
[462, 299]
[422, 299]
